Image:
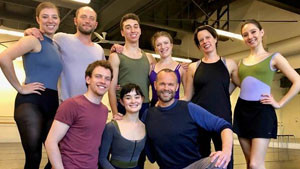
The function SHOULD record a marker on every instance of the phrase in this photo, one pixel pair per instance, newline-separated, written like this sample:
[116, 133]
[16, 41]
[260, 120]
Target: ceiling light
[83, 1]
[229, 34]
[175, 58]
[7, 31]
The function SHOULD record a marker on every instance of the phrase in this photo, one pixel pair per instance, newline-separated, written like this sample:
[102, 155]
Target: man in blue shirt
[173, 130]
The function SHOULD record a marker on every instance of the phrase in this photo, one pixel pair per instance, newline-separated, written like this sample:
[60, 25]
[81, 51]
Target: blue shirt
[173, 133]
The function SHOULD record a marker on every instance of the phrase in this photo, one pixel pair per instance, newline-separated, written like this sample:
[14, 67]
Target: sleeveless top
[211, 89]
[152, 79]
[44, 66]
[134, 71]
[256, 79]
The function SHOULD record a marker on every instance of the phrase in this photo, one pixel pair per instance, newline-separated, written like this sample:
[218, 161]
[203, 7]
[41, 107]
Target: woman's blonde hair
[44, 5]
[159, 34]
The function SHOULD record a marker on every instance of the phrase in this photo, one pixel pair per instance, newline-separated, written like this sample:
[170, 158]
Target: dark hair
[130, 87]
[129, 16]
[252, 21]
[78, 10]
[210, 29]
[167, 70]
[159, 34]
[44, 5]
[91, 67]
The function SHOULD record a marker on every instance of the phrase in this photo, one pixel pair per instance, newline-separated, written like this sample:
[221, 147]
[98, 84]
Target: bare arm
[233, 71]
[57, 132]
[115, 63]
[183, 73]
[151, 60]
[224, 156]
[189, 87]
[232, 87]
[23, 46]
[282, 64]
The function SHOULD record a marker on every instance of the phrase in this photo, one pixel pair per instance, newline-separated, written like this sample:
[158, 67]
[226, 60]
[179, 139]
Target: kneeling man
[75, 135]
[172, 129]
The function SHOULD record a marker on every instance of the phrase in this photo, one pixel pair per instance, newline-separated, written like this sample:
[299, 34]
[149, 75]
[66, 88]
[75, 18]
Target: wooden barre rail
[4, 122]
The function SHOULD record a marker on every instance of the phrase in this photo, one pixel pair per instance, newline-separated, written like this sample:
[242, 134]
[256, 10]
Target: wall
[8, 129]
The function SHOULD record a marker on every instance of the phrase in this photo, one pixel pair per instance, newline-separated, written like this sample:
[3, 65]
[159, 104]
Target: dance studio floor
[12, 157]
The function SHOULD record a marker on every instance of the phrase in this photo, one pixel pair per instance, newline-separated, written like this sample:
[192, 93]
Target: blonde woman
[163, 45]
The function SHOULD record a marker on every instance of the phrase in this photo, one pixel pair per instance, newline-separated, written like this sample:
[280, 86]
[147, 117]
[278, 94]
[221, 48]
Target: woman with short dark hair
[209, 84]
[123, 140]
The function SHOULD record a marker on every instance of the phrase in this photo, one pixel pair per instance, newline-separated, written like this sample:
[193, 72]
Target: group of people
[71, 120]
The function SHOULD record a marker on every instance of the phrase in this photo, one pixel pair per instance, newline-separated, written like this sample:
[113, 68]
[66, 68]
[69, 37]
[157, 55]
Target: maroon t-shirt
[80, 146]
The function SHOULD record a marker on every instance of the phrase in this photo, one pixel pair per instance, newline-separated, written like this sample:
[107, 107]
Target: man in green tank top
[130, 66]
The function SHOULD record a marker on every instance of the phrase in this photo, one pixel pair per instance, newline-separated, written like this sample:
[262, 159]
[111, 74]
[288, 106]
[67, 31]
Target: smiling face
[48, 20]
[207, 43]
[163, 46]
[166, 86]
[252, 35]
[86, 20]
[131, 30]
[99, 81]
[132, 101]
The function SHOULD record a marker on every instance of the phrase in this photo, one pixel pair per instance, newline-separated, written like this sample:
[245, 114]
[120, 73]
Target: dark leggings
[34, 115]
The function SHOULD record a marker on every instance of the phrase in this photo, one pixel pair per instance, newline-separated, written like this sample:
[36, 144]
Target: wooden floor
[12, 157]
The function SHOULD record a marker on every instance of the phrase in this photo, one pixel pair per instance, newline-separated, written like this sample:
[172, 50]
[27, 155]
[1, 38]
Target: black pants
[205, 148]
[34, 115]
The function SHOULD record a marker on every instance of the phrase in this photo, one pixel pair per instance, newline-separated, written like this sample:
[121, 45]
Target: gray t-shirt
[75, 57]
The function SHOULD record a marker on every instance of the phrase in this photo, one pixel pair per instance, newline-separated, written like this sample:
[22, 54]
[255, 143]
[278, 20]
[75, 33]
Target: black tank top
[211, 86]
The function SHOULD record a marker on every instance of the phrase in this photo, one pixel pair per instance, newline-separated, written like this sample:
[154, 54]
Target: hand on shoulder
[34, 32]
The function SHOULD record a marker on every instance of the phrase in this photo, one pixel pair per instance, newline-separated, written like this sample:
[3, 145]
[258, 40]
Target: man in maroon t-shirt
[75, 135]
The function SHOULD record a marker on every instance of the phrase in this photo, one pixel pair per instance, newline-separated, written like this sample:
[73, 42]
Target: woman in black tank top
[208, 84]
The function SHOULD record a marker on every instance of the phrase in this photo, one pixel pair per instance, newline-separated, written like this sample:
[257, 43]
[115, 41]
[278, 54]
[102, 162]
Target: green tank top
[134, 71]
[261, 71]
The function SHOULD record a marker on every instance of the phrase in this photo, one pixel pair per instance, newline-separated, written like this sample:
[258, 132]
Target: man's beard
[85, 32]
[163, 99]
